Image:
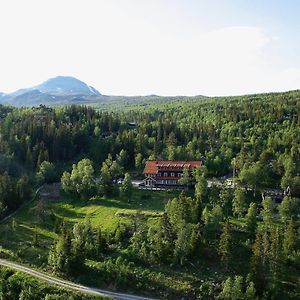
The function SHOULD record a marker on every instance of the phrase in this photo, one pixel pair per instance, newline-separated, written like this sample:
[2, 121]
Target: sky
[142, 47]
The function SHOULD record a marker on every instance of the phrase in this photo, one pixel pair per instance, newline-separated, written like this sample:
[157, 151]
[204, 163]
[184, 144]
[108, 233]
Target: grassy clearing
[27, 239]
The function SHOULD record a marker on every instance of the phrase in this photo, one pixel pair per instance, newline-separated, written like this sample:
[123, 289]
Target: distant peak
[66, 85]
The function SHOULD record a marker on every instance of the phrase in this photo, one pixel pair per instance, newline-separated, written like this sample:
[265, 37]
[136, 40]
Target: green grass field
[18, 234]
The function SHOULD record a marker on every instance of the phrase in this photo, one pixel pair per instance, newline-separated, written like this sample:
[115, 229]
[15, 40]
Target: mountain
[54, 91]
[67, 90]
[66, 85]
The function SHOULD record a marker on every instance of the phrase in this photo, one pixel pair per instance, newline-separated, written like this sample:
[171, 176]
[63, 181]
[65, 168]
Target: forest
[207, 242]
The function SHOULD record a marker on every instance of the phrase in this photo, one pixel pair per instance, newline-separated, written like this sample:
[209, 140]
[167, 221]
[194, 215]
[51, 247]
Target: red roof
[152, 166]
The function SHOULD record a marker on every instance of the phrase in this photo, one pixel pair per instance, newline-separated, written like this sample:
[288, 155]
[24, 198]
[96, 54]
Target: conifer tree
[60, 255]
[258, 270]
[237, 286]
[226, 197]
[100, 243]
[268, 210]
[216, 215]
[239, 205]
[275, 253]
[250, 293]
[225, 244]
[226, 292]
[289, 239]
[205, 215]
[196, 240]
[162, 242]
[251, 221]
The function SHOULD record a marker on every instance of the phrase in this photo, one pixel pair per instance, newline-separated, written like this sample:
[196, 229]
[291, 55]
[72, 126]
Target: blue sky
[166, 47]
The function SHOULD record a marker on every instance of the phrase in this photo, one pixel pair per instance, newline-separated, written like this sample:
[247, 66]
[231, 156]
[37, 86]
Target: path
[68, 284]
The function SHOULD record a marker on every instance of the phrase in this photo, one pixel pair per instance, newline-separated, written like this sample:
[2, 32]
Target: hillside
[204, 243]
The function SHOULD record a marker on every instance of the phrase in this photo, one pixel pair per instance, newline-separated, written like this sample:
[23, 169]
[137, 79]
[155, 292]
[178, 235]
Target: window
[159, 174]
[165, 174]
[179, 174]
[172, 174]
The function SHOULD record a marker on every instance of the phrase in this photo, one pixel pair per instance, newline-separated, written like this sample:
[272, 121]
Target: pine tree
[265, 251]
[118, 235]
[275, 263]
[225, 244]
[289, 239]
[61, 255]
[258, 269]
[236, 291]
[251, 221]
[268, 211]
[275, 253]
[239, 205]
[226, 197]
[226, 292]
[162, 242]
[216, 215]
[100, 243]
[196, 240]
[250, 293]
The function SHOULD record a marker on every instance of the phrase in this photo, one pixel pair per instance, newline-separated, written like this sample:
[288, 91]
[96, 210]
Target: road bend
[70, 285]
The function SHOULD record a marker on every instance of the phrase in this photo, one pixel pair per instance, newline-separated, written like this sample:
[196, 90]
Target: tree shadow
[68, 213]
[133, 204]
